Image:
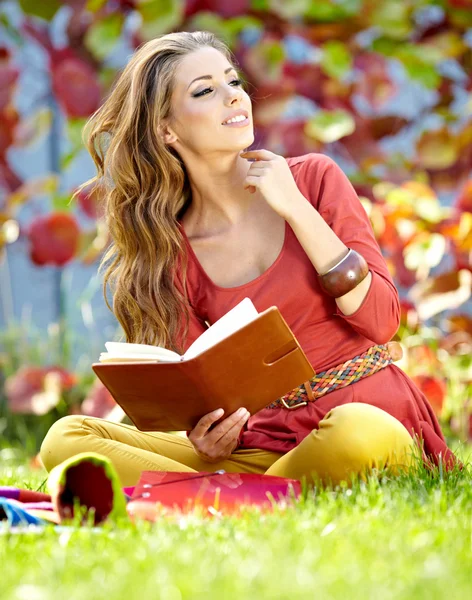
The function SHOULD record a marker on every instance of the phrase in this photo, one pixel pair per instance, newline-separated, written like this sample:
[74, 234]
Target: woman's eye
[203, 92]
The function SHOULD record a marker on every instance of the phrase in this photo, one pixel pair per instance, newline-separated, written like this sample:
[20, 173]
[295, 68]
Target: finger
[259, 164]
[251, 180]
[222, 428]
[205, 423]
[260, 154]
[227, 441]
[220, 449]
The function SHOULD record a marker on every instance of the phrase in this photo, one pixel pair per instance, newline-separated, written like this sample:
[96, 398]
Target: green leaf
[461, 18]
[420, 63]
[425, 74]
[274, 53]
[61, 202]
[102, 36]
[290, 9]
[393, 17]
[268, 59]
[385, 46]
[330, 126]
[74, 129]
[106, 77]
[235, 25]
[260, 5]
[329, 11]
[45, 9]
[67, 158]
[336, 60]
[398, 197]
[208, 21]
[160, 16]
[95, 5]
[429, 209]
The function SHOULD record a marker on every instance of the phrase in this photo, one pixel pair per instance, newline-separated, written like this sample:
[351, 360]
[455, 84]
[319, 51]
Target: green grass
[404, 537]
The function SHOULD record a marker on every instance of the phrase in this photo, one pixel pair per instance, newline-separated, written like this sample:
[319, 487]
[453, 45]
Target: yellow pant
[351, 439]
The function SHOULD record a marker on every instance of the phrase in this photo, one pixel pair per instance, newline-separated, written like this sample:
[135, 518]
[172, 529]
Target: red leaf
[222, 8]
[389, 239]
[288, 137]
[305, 79]
[91, 200]
[8, 121]
[54, 239]
[463, 258]
[9, 180]
[461, 4]
[8, 77]
[23, 389]
[434, 389]
[127, 5]
[99, 402]
[67, 379]
[405, 277]
[20, 387]
[464, 201]
[409, 315]
[372, 81]
[76, 86]
[362, 143]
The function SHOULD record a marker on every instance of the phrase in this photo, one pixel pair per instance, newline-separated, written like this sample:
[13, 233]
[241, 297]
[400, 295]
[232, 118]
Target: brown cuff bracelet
[345, 275]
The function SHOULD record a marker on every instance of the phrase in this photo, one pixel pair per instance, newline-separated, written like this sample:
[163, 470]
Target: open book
[245, 359]
[239, 316]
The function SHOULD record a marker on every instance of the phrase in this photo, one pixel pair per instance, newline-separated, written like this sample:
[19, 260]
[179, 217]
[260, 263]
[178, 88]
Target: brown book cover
[251, 367]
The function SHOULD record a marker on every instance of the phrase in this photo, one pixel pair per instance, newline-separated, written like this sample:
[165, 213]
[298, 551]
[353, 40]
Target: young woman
[197, 225]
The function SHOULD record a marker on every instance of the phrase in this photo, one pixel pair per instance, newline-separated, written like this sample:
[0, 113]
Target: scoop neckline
[243, 285]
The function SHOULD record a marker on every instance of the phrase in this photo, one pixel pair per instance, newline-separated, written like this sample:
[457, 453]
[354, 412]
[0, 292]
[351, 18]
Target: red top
[327, 336]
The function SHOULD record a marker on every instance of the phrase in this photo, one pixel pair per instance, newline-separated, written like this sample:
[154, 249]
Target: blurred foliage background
[384, 87]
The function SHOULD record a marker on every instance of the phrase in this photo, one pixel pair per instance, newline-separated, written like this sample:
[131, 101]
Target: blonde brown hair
[145, 191]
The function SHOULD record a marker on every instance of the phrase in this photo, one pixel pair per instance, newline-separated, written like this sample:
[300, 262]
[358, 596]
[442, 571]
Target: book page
[108, 358]
[125, 350]
[236, 318]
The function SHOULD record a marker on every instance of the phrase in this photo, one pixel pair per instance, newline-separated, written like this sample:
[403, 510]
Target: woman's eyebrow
[210, 76]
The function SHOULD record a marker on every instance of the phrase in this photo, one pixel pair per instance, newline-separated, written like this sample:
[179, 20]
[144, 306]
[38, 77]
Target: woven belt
[365, 364]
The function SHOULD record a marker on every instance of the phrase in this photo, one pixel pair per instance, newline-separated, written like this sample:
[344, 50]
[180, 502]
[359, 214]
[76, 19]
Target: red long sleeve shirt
[327, 336]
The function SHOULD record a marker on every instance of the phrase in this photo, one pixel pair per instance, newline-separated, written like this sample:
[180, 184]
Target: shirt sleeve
[378, 317]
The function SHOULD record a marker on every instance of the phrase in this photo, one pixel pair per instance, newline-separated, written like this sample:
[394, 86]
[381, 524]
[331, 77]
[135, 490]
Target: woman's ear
[167, 135]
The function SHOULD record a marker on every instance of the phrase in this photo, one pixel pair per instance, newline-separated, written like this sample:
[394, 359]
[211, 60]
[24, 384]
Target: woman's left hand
[271, 175]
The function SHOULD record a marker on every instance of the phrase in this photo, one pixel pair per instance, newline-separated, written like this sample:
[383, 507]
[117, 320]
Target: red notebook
[218, 492]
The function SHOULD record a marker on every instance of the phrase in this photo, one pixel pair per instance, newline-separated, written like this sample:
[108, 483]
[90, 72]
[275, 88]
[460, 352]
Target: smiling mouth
[239, 122]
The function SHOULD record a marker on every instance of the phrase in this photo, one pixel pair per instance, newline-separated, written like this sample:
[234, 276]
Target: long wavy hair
[145, 190]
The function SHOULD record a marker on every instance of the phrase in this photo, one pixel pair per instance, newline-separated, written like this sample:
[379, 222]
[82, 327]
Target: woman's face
[207, 92]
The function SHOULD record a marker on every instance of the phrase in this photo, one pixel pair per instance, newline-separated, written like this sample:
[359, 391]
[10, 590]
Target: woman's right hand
[219, 443]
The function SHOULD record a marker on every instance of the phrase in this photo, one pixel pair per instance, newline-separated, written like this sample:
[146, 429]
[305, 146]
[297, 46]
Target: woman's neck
[218, 198]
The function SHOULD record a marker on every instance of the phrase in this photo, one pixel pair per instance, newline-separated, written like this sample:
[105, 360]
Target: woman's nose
[234, 94]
